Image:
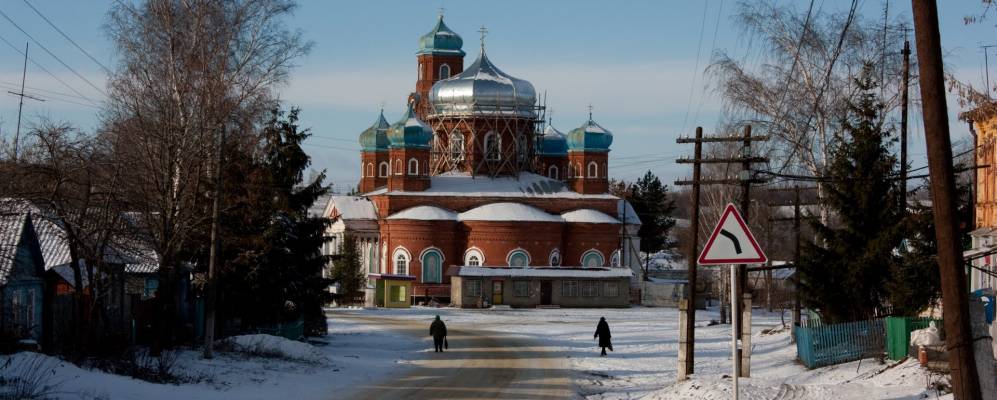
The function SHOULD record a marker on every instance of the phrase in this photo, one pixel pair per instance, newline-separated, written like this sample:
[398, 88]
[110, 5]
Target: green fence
[898, 331]
[292, 330]
[820, 345]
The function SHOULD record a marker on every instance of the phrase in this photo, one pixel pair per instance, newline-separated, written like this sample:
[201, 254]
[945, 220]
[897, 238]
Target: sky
[640, 64]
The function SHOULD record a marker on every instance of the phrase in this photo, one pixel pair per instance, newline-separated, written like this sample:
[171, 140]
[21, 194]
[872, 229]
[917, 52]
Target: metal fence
[819, 345]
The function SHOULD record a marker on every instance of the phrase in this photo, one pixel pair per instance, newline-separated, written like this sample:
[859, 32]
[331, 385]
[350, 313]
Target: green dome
[441, 40]
[375, 138]
[410, 132]
[553, 143]
[590, 137]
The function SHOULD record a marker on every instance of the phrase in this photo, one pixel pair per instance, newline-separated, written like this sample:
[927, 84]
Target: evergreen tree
[653, 205]
[845, 273]
[347, 271]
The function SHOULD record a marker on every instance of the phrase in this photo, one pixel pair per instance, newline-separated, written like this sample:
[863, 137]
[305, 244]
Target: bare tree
[187, 70]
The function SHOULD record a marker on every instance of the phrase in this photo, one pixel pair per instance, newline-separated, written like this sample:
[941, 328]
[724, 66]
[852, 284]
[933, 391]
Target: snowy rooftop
[527, 185]
[352, 207]
[544, 272]
[11, 226]
[503, 211]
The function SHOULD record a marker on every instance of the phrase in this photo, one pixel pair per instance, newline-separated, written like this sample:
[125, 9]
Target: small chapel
[472, 198]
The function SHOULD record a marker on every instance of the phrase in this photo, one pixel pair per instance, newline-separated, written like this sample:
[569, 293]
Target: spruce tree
[347, 271]
[653, 205]
[845, 273]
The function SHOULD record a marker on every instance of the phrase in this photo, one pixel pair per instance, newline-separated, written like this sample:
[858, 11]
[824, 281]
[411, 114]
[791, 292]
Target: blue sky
[634, 61]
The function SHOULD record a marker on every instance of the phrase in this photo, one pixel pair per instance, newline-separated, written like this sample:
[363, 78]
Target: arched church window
[370, 169]
[579, 172]
[614, 260]
[383, 169]
[413, 166]
[552, 172]
[401, 261]
[592, 259]
[593, 170]
[399, 167]
[421, 74]
[521, 149]
[372, 258]
[474, 258]
[518, 258]
[555, 258]
[457, 145]
[444, 71]
[493, 146]
[432, 266]
[605, 171]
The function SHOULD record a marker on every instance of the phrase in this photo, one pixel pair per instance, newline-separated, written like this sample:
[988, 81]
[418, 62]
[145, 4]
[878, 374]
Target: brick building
[983, 256]
[471, 175]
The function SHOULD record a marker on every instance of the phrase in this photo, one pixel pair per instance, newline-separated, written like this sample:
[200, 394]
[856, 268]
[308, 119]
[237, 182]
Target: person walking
[438, 330]
[602, 332]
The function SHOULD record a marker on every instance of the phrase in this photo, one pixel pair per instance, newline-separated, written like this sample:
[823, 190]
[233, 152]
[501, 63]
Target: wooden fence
[819, 345]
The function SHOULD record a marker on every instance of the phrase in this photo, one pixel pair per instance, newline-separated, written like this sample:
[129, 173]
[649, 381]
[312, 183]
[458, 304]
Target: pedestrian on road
[438, 330]
[602, 332]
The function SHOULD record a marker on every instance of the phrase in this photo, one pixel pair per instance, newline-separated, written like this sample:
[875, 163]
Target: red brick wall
[417, 236]
[474, 132]
[560, 162]
[497, 239]
[580, 180]
[370, 182]
[430, 74]
[400, 178]
[388, 204]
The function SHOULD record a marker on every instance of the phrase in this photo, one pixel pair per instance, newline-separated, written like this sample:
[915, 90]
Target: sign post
[732, 243]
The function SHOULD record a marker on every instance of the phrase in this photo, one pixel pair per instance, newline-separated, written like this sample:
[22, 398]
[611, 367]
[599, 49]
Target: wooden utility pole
[209, 303]
[20, 104]
[687, 336]
[965, 379]
[797, 221]
[904, 101]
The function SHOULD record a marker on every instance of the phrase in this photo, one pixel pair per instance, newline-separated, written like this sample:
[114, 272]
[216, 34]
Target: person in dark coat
[438, 330]
[602, 332]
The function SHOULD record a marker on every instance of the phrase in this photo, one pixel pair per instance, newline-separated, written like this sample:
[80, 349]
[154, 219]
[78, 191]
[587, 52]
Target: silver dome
[483, 89]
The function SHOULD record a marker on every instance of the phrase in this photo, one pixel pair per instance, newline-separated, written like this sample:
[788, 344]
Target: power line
[5, 16]
[713, 48]
[35, 63]
[94, 59]
[695, 71]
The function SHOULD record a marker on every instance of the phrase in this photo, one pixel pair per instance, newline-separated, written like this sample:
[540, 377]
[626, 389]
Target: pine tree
[845, 273]
[347, 271]
[653, 205]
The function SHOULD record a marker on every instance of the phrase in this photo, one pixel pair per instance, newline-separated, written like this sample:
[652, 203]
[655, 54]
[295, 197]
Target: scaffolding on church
[469, 126]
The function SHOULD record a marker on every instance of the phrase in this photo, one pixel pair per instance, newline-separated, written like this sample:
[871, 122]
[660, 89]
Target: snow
[527, 185]
[426, 213]
[274, 345]
[589, 216]
[625, 212]
[552, 272]
[352, 207]
[508, 212]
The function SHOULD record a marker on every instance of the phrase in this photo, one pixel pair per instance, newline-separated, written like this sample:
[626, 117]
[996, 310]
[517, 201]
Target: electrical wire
[94, 59]
[35, 63]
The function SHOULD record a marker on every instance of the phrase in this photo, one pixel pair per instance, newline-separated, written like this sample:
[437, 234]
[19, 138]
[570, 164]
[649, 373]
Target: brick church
[472, 198]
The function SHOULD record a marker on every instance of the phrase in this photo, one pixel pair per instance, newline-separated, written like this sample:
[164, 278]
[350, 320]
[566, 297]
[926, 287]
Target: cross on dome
[441, 10]
[590, 111]
[484, 32]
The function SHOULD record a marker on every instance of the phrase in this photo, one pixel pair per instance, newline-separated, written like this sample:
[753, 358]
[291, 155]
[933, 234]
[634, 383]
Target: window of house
[593, 170]
[590, 289]
[552, 172]
[521, 288]
[457, 145]
[444, 71]
[569, 288]
[473, 288]
[372, 259]
[611, 289]
[413, 167]
[493, 145]
[383, 169]
[397, 293]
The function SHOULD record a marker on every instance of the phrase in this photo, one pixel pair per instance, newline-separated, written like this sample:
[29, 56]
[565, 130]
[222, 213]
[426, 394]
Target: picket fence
[819, 345]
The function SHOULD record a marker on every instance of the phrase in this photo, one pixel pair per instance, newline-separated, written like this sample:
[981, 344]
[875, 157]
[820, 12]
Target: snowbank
[273, 346]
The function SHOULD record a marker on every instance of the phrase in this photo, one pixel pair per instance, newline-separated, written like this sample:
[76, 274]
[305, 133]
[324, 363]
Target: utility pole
[965, 379]
[20, 105]
[986, 67]
[904, 102]
[687, 335]
[209, 304]
[797, 221]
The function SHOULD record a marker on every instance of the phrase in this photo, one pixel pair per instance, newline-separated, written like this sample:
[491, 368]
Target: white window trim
[508, 257]
[498, 145]
[550, 258]
[593, 169]
[422, 256]
[442, 67]
[602, 258]
[413, 166]
[455, 136]
[384, 169]
[399, 166]
[616, 259]
[553, 173]
[401, 252]
[472, 252]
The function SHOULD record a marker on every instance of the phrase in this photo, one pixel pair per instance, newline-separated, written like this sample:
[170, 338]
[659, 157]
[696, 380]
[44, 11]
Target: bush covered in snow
[261, 345]
[28, 376]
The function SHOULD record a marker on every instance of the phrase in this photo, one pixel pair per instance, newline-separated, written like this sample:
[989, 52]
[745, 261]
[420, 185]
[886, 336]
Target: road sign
[731, 242]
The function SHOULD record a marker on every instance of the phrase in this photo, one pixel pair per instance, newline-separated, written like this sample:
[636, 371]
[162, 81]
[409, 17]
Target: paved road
[480, 364]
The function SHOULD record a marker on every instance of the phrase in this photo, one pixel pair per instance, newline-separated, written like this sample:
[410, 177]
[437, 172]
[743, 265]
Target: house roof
[351, 207]
[11, 227]
[526, 184]
[503, 212]
[541, 272]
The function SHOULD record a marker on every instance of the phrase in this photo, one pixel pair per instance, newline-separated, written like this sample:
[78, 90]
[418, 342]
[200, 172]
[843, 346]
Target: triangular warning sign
[731, 242]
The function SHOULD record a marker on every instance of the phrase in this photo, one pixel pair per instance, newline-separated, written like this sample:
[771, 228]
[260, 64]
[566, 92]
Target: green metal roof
[441, 40]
